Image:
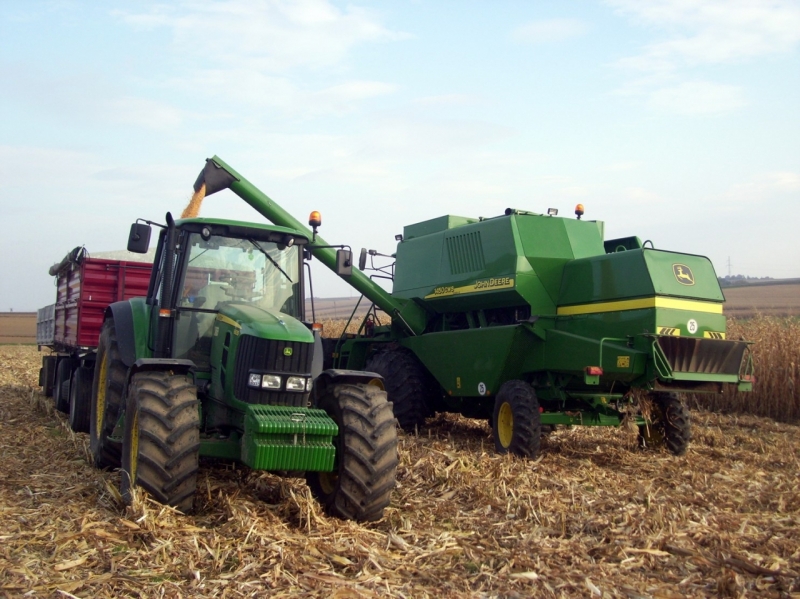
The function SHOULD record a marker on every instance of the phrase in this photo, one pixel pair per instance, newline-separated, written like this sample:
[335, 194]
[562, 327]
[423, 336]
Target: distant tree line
[739, 279]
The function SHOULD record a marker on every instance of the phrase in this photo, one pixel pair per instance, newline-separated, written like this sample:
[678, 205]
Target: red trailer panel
[85, 290]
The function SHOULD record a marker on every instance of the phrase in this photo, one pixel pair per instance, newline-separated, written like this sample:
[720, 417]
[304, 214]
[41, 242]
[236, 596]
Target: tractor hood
[264, 324]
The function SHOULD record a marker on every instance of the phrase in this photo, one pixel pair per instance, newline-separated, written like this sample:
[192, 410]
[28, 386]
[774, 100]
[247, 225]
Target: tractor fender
[335, 376]
[131, 319]
[122, 313]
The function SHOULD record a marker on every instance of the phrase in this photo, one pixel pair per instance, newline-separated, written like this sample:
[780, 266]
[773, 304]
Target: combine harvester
[530, 321]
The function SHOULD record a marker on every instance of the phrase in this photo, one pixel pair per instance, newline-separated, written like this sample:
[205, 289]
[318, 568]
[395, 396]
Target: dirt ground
[592, 517]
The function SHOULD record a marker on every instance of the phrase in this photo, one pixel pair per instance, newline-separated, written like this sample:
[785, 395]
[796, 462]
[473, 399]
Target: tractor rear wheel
[361, 484]
[61, 384]
[670, 424]
[516, 422]
[80, 399]
[161, 444]
[409, 386]
[107, 390]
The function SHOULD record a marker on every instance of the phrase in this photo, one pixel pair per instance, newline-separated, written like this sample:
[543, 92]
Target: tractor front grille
[706, 356]
[268, 356]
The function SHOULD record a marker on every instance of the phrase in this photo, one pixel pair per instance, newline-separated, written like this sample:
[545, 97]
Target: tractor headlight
[296, 383]
[254, 380]
[271, 381]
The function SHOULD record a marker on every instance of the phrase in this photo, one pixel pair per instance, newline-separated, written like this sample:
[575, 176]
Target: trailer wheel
[47, 375]
[670, 424]
[409, 386]
[516, 422]
[80, 399]
[361, 484]
[61, 384]
[107, 388]
[161, 443]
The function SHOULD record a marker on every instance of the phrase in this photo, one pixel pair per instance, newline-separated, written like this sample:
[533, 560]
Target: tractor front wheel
[161, 443]
[107, 389]
[516, 422]
[80, 399]
[409, 386]
[670, 424]
[361, 484]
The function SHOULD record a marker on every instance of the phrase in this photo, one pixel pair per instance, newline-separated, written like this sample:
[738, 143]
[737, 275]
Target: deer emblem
[683, 274]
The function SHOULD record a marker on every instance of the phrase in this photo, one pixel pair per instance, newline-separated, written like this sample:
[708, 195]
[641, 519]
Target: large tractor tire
[61, 384]
[107, 390]
[409, 386]
[516, 421]
[361, 484]
[47, 374]
[161, 444]
[80, 399]
[670, 424]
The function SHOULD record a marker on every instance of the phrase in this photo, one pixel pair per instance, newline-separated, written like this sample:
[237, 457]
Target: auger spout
[217, 175]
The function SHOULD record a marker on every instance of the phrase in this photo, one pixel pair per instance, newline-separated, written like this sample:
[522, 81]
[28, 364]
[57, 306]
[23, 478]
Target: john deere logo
[287, 351]
[683, 274]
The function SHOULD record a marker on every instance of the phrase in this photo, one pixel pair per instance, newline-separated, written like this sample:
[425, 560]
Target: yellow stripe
[639, 304]
[229, 321]
[482, 285]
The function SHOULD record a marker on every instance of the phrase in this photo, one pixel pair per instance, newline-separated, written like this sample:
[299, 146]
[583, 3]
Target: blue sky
[674, 120]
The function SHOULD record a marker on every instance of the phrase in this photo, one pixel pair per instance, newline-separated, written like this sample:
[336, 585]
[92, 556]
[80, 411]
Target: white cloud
[703, 34]
[698, 98]
[271, 36]
[713, 31]
[548, 31]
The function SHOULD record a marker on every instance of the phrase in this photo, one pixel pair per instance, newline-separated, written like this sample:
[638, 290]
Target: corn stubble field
[594, 516]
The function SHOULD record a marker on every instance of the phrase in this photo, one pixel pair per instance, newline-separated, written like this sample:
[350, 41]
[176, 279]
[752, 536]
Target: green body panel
[142, 313]
[267, 324]
[637, 273]
[285, 438]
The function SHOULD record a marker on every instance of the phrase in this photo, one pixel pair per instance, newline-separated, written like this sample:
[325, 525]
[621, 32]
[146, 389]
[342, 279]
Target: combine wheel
[107, 387]
[516, 424]
[361, 484]
[61, 384]
[161, 444]
[670, 424]
[409, 386]
[80, 399]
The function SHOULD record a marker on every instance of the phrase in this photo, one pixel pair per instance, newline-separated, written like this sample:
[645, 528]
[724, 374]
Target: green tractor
[219, 360]
[533, 321]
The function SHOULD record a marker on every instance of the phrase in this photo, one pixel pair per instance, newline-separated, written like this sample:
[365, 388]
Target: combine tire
[80, 399]
[161, 444]
[670, 425]
[107, 388]
[61, 384]
[409, 386]
[361, 484]
[516, 424]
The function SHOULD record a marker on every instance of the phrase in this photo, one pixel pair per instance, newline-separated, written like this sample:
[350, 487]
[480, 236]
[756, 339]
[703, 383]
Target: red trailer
[85, 287]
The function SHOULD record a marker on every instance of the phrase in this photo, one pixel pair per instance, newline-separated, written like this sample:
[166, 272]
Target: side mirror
[362, 259]
[139, 238]
[344, 263]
